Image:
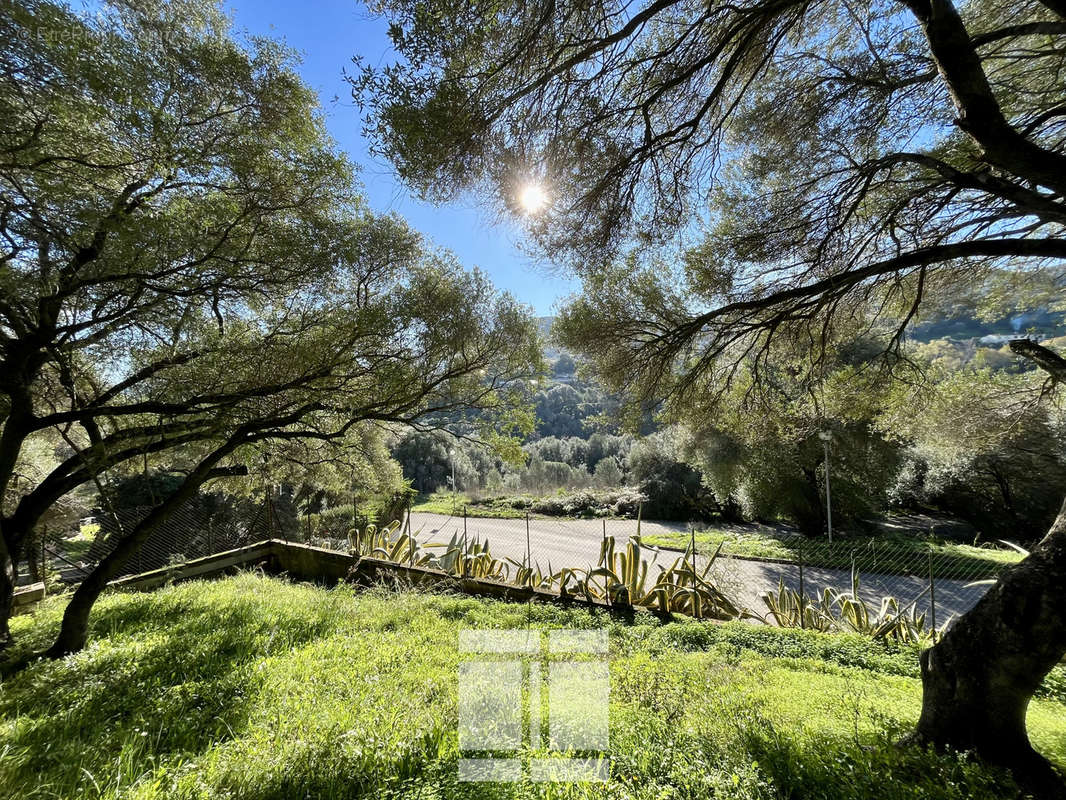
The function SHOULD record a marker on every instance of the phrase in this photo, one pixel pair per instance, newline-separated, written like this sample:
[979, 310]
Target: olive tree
[977, 444]
[187, 265]
[723, 174]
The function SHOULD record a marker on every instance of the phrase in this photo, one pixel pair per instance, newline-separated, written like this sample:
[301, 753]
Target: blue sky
[328, 33]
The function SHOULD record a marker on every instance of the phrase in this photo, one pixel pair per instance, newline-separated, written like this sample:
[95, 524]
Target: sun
[532, 198]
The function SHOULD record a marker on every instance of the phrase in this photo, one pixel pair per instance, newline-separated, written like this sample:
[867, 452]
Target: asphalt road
[576, 543]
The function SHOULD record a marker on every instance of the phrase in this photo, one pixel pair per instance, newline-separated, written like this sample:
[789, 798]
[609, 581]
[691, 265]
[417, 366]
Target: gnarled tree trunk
[74, 629]
[977, 682]
[8, 580]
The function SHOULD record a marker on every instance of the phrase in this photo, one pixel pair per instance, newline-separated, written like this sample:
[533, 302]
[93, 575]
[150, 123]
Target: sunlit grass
[458, 503]
[77, 547]
[253, 687]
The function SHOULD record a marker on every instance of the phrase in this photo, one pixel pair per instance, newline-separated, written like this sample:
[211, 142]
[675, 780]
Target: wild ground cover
[618, 503]
[454, 503]
[252, 687]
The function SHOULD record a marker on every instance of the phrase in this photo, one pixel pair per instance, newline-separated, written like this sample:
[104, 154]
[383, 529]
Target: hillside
[256, 688]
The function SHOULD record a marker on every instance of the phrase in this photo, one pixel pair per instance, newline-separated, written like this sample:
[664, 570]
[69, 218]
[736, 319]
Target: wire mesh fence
[190, 532]
[939, 579]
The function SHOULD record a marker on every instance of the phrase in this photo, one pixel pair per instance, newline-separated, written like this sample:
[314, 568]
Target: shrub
[591, 503]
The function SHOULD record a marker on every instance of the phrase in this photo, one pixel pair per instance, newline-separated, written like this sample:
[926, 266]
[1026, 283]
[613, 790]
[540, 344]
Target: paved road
[576, 543]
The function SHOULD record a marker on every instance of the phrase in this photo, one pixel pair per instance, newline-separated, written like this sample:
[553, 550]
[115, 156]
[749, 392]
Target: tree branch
[1045, 358]
[979, 113]
[1023, 29]
[991, 248]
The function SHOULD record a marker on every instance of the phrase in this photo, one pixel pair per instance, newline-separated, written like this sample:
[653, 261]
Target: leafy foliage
[759, 443]
[190, 276]
[978, 446]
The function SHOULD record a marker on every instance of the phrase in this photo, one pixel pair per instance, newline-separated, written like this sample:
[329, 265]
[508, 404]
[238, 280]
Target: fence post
[464, 520]
[410, 538]
[276, 524]
[529, 550]
[802, 592]
[932, 595]
[42, 564]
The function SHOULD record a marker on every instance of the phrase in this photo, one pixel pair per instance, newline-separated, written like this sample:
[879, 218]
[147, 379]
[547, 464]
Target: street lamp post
[827, 438]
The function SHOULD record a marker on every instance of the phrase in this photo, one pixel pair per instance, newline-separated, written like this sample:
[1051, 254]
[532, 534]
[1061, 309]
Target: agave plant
[469, 558]
[890, 621]
[790, 609]
[388, 544]
[532, 576]
[579, 585]
[848, 611]
[624, 575]
[685, 588]
[621, 578]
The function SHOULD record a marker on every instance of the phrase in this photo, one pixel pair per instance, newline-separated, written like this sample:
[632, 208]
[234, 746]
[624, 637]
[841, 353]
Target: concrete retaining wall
[261, 553]
[26, 597]
[303, 562]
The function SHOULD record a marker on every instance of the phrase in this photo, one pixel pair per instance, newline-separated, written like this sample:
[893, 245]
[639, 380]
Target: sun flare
[532, 198]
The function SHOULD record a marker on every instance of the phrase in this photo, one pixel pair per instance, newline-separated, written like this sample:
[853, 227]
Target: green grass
[452, 504]
[252, 687]
[884, 552]
[77, 547]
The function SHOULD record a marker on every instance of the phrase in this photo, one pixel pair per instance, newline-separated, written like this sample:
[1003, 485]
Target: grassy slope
[256, 688]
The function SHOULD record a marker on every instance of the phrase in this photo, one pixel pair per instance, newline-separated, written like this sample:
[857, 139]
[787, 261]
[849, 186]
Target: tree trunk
[8, 580]
[17, 534]
[978, 680]
[74, 629]
[35, 564]
[13, 434]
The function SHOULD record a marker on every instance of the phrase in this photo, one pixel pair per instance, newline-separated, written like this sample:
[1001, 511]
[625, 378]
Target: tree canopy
[734, 180]
[724, 172]
[188, 267]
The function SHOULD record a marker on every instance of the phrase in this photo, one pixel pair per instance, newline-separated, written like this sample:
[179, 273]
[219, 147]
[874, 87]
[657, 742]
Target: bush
[673, 488]
[592, 503]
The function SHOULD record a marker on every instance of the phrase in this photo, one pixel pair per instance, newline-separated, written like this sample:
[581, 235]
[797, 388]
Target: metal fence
[190, 532]
[940, 579]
